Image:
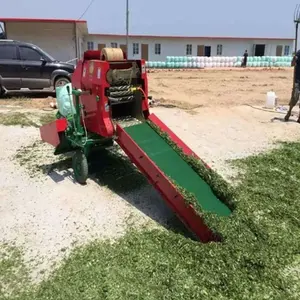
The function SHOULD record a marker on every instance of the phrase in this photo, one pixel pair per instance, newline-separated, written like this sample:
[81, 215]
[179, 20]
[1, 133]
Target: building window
[219, 49]
[114, 45]
[135, 48]
[90, 45]
[286, 50]
[189, 49]
[157, 49]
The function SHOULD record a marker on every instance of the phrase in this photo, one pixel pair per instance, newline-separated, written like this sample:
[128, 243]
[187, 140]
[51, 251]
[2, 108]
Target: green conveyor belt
[172, 165]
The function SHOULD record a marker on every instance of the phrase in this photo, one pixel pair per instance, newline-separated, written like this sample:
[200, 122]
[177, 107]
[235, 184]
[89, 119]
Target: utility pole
[296, 21]
[127, 25]
[295, 91]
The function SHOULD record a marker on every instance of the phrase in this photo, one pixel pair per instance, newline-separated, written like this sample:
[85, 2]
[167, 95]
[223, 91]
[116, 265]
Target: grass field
[260, 258]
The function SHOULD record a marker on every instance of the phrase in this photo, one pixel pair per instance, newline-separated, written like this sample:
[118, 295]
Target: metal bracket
[297, 14]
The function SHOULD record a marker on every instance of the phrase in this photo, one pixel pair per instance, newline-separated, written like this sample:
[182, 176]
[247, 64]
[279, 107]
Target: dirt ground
[197, 88]
[223, 118]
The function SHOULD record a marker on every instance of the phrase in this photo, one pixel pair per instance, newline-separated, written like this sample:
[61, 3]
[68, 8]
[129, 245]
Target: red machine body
[112, 90]
[91, 74]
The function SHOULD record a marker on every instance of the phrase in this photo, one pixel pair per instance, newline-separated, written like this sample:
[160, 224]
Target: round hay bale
[112, 54]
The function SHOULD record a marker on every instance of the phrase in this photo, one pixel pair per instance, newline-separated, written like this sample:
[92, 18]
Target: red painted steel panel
[49, 132]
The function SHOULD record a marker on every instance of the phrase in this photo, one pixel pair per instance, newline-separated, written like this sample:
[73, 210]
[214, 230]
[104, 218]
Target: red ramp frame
[157, 178]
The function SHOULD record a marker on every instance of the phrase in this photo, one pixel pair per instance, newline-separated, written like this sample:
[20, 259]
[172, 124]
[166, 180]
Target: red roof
[188, 37]
[41, 20]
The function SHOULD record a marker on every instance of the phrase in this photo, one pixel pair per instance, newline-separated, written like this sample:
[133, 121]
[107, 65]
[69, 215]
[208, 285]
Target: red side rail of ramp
[156, 177]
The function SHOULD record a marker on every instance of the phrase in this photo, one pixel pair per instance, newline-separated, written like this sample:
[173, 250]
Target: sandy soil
[211, 87]
[47, 214]
[220, 134]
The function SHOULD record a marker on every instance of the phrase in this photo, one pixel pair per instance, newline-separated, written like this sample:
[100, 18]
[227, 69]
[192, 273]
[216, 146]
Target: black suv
[24, 65]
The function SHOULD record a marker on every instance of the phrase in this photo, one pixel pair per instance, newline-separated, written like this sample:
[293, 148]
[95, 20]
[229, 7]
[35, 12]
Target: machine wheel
[61, 81]
[80, 167]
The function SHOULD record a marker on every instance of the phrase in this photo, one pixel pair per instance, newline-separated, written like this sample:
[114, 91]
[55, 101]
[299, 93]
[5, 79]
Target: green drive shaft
[173, 166]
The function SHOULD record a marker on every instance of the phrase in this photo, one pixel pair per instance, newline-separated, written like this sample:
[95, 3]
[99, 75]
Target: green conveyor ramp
[172, 165]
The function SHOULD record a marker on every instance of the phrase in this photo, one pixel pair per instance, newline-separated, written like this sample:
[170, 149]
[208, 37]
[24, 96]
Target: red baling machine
[107, 102]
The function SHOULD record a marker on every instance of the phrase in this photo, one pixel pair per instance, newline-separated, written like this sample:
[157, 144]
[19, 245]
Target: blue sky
[260, 18]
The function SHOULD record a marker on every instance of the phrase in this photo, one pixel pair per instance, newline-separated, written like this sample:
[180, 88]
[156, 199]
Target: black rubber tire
[61, 78]
[80, 167]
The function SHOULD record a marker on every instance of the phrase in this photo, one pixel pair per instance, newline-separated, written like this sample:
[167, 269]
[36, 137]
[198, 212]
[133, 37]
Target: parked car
[24, 65]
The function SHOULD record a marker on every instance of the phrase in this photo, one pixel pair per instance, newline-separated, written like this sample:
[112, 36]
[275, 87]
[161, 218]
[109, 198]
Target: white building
[62, 39]
[157, 48]
[67, 39]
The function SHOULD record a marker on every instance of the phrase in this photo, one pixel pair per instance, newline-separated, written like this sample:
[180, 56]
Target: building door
[207, 50]
[279, 50]
[200, 50]
[124, 48]
[145, 53]
[259, 50]
[101, 46]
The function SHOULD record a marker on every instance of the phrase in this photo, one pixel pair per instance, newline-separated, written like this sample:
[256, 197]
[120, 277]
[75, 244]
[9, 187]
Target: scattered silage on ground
[259, 258]
[25, 119]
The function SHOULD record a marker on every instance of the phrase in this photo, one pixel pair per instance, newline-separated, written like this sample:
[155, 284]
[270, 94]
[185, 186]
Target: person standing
[244, 63]
[296, 86]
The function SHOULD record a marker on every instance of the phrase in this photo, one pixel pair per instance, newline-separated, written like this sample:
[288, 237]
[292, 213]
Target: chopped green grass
[259, 258]
[112, 169]
[13, 272]
[25, 119]
[47, 118]
[16, 118]
[108, 168]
